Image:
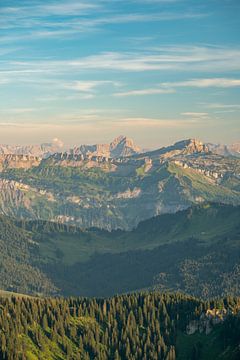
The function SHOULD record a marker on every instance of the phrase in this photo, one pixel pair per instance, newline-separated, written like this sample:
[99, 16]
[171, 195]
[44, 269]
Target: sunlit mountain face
[114, 185]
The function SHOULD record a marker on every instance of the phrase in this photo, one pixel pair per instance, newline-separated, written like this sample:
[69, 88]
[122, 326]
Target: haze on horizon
[87, 71]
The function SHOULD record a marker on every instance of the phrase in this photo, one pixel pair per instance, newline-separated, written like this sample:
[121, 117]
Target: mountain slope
[196, 251]
[17, 270]
[87, 190]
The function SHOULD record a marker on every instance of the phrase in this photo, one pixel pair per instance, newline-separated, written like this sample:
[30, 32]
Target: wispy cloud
[205, 83]
[72, 120]
[155, 122]
[182, 59]
[17, 111]
[63, 8]
[45, 20]
[222, 106]
[178, 59]
[88, 86]
[53, 8]
[195, 114]
[152, 91]
[170, 87]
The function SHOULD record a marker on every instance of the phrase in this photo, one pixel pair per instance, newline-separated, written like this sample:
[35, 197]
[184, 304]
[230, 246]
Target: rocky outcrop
[207, 321]
[74, 160]
[129, 194]
[18, 161]
[215, 167]
[192, 146]
[186, 147]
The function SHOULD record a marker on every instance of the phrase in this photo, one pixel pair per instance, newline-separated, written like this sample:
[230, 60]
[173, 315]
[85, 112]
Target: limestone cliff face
[192, 146]
[207, 320]
[18, 161]
[186, 147]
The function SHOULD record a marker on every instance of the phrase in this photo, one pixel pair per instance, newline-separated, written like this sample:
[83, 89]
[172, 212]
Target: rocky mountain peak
[118, 140]
[180, 148]
[191, 146]
[123, 146]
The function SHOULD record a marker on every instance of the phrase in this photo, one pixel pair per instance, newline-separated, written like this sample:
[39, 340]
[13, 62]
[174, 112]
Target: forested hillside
[129, 327]
[17, 269]
[196, 251]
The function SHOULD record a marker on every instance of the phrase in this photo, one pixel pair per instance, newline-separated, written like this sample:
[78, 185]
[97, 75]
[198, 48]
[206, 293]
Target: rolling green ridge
[196, 251]
[143, 326]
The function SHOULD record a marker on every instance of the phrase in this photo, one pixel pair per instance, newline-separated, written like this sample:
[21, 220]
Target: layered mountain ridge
[121, 146]
[104, 186]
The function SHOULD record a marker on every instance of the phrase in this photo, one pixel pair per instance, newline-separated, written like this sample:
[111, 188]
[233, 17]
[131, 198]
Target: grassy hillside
[206, 223]
[196, 250]
[199, 185]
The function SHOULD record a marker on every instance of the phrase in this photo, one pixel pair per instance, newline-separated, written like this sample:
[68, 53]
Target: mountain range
[116, 186]
[42, 150]
[100, 220]
[121, 146]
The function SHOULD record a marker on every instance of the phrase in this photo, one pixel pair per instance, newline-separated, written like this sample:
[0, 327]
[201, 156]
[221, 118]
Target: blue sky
[87, 71]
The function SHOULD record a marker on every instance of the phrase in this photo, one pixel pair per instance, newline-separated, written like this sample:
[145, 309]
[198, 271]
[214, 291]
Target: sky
[87, 71]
